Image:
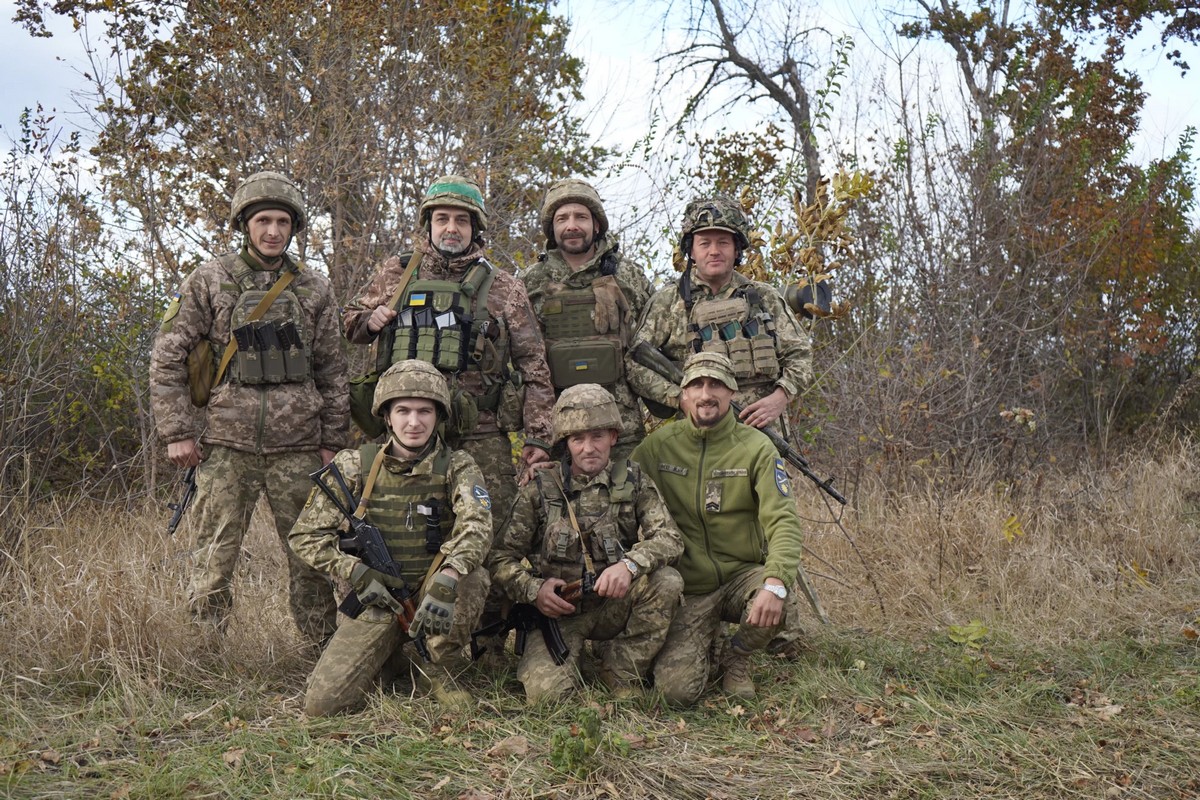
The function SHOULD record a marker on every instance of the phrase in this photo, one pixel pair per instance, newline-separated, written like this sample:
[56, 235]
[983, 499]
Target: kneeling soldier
[588, 517]
[434, 512]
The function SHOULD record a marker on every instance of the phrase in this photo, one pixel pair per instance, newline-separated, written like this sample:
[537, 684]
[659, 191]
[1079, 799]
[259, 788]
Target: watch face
[778, 591]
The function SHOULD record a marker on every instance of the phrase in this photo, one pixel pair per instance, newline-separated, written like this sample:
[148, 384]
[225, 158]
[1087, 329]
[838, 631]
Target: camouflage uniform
[670, 317]
[515, 328]
[622, 517]
[728, 491]
[354, 658]
[258, 438]
[552, 280]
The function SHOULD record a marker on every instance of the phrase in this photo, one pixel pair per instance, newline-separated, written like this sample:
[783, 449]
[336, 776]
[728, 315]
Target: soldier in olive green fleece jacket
[729, 493]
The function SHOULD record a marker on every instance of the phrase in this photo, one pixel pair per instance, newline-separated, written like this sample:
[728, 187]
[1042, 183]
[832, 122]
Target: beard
[577, 246]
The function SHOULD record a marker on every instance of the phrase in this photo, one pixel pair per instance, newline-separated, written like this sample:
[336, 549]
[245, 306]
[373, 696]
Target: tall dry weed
[1088, 551]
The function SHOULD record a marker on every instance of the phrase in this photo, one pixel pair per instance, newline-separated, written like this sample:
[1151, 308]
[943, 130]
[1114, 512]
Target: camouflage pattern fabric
[508, 305]
[636, 627]
[682, 667]
[553, 270]
[314, 536]
[493, 455]
[353, 661]
[228, 484]
[664, 326]
[267, 419]
[648, 534]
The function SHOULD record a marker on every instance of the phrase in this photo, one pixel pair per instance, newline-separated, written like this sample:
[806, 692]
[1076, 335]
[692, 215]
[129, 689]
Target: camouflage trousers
[228, 485]
[681, 670]
[370, 647]
[493, 454]
[635, 627]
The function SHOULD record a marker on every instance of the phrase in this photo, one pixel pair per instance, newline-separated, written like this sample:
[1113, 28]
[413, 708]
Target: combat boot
[437, 682]
[737, 681]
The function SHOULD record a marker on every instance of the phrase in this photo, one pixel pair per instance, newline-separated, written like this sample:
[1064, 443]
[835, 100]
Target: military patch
[312, 496]
[731, 473]
[172, 308]
[782, 481]
[665, 467]
[712, 497]
[481, 495]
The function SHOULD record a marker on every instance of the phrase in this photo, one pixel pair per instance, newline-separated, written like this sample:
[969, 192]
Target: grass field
[990, 642]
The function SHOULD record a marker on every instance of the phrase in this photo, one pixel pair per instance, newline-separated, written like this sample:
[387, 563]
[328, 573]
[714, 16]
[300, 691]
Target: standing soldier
[588, 298]
[414, 487]
[473, 322]
[728, 491]
[278, 406]
[713, 309]
[605, 519]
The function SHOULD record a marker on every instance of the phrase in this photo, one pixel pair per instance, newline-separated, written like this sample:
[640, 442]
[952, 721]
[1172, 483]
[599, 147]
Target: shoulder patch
[172, 308]
[782, 481]
[481, 496]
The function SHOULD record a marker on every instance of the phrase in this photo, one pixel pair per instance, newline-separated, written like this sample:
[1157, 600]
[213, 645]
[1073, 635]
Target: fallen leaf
[233, 756]
[836, 769]
[511, 746]
[51, 756]
[476, 794]
[440, 784]
[1108, 712]
[736, 711]
[635, 741]
[1190, 632]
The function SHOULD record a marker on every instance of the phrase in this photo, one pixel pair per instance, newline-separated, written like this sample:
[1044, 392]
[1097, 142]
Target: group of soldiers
[646, 546]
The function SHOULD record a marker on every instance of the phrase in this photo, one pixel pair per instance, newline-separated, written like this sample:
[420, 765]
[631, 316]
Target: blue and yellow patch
[418, 299]
[172, 308]
[782, 481]
[481, 495]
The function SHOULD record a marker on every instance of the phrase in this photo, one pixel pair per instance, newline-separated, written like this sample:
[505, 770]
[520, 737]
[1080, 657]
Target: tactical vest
[413, 512]
[271, 349]
[574, 351]
[562, 550]
[739, 327]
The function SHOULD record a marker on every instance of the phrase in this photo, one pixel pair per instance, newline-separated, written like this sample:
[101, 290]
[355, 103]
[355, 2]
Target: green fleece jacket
[728, 491]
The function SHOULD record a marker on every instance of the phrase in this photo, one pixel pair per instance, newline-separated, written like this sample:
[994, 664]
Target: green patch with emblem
[172, 308]
[782, 481]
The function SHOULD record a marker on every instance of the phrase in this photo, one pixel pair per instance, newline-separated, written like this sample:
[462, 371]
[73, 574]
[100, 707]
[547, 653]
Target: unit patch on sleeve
[782, 481]
[481, 495]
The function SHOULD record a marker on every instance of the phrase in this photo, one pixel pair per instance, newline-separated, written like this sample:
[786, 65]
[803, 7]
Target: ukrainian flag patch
[418, 299]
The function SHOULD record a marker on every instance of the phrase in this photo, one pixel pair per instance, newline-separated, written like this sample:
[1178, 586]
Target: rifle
[525, 617]
[652, 358]
[180, 508]
[366, 542]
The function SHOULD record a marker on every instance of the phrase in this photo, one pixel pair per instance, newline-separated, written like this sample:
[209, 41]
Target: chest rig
[413, 512]
[563, 548]
[738, 327]
[270, 349]
[446, 323]
[575, 353]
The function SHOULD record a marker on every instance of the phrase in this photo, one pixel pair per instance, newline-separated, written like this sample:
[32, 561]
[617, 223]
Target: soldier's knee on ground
[326, 704]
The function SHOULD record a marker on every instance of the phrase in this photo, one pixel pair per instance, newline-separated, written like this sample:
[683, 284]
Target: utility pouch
[510, 411]
[295, 363]
[362, 397]
[766, 361]
[449, 343]
[248, 362]
[201, 372]
[740, 356]
[464, 414]
[593, 361]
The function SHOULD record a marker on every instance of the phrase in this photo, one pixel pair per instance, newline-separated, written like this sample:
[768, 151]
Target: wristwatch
[630, 565]
[778, 591]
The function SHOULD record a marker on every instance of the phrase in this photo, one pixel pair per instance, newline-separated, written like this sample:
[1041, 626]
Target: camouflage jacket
[665, 326]
[552, 271]
[647, 533]
[266, 419]
[314, 536]
[729, 492]
[508, 306]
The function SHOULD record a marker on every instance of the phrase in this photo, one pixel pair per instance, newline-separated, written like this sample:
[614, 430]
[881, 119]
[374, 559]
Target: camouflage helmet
[718, 211]
[411, 378]
[584, 407]
[459, 192]
[267, 190]
[571, 190]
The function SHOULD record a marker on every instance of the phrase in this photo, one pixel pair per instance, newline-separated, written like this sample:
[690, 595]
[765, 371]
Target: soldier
[473, 322]
[712, 308]
[605, 518]
[413, 482]
[278, 406]
[728, 491]
[588, 298]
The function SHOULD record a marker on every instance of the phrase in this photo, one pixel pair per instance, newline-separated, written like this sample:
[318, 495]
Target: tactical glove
[436, 613]
[612, 308]
[372, 587]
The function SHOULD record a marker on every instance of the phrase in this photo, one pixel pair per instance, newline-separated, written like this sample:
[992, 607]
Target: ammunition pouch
[201, 372]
